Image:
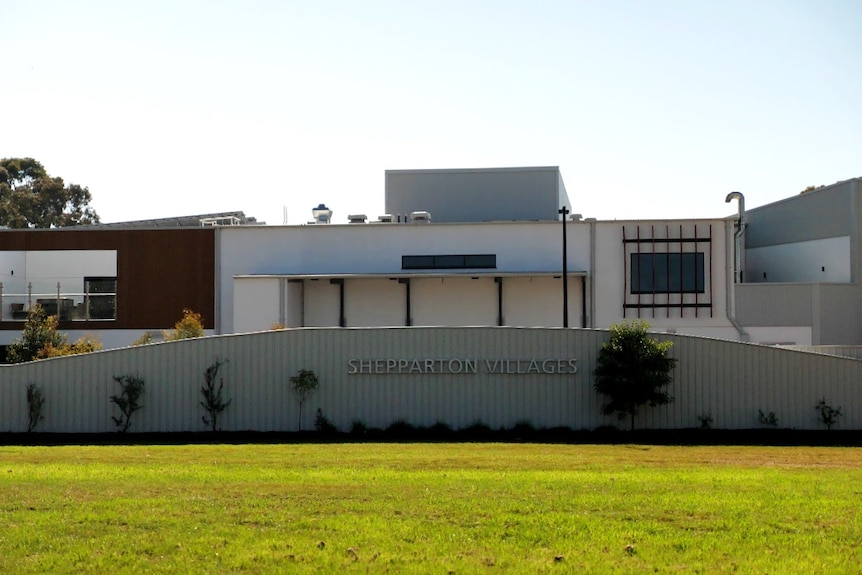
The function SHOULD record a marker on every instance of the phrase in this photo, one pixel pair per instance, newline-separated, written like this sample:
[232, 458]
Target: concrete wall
[830, 311]
[816, 261]
[728, 381]
[820, 214]
[477, 195]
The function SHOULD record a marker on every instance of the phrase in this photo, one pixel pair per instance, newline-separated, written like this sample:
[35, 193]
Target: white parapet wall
[497, 375]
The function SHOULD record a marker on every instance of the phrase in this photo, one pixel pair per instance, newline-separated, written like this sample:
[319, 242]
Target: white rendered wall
[320, 303]
[538, 301]
[521, 247]
[816, 261]
[258, 298]
[612, 282]
[453, 301]
[294, 308]
[374, 302]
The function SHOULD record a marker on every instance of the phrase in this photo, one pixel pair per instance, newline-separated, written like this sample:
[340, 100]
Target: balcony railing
[67, 305]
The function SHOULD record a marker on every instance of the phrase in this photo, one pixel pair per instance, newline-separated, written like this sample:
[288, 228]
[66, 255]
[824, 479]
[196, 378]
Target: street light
[565, 212]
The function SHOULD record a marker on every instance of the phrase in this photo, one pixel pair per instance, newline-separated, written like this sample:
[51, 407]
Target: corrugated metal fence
[724, 380]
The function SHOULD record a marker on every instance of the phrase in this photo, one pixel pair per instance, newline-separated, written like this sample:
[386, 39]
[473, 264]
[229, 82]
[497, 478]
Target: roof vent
[357, 218]
[420, 217]
[385, 219]
[321, 214]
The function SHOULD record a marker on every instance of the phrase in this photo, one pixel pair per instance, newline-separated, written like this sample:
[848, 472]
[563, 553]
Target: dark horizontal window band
[449, 262]
[667, 241]
[665, 305]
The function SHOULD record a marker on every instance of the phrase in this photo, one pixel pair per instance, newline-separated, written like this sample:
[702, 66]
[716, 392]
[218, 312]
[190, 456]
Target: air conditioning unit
[420, 217]
[357, 218]
[385, 219]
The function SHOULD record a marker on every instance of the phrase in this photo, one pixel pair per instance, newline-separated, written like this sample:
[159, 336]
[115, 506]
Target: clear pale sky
[651, 108]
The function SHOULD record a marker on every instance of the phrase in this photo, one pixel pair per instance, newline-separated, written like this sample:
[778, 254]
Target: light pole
[565, 212]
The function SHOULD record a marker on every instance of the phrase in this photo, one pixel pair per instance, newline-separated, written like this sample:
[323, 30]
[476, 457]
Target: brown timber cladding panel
[159, 272]
[729, 381]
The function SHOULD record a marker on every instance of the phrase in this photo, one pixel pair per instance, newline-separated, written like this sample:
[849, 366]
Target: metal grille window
[667, 273]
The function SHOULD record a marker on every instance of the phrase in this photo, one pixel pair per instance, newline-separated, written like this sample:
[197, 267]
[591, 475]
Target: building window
[100, 297]
[667, 273]
[449, 262]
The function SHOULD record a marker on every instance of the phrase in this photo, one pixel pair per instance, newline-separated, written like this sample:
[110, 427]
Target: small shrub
[86, 344]
[213, 402]
[322, 423]
[477, 429]
[358, 427]
[829, 415]
[35, 403]
[40, 331]
[441, 429]
[145, 339]
[705, 420]
[129, 400]
[767, 419]
[189, 326]
[303, 385]
[401, 428]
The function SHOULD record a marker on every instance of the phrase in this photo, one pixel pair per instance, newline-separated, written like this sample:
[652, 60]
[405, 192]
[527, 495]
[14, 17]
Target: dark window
[101, 298]
[449, 262]
[667, 273]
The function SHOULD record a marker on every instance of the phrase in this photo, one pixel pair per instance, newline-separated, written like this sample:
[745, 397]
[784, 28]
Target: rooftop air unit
[357, 218]
[420, 217]
[385, 219]
[321, 214]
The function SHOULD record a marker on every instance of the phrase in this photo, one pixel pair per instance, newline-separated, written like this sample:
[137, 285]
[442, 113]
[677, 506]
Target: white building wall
[521, 247]
[537, 301]
[453, 301]
[258, 299]
[612, 282]
[321, 306]
[374, 302]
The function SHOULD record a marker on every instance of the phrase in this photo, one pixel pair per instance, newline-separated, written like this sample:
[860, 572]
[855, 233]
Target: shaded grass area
[420, 508]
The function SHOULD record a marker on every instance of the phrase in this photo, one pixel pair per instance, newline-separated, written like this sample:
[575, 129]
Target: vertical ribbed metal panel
[727, 380]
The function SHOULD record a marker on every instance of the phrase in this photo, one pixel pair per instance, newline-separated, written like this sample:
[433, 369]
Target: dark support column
[583, 301]
[565, 213]
[340, 283]
[408, 321]
[499, 282]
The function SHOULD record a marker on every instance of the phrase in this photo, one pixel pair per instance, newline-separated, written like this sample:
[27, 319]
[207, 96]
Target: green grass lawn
[430, 508]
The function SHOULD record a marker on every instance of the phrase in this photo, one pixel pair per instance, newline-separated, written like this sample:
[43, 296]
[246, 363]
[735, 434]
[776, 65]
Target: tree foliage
[191, 325]
[35, 403]
[40, 331]
[633, 370]
[40, 339]
[213, 402]
[30, 198]
[128, 400]
[303, 385]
